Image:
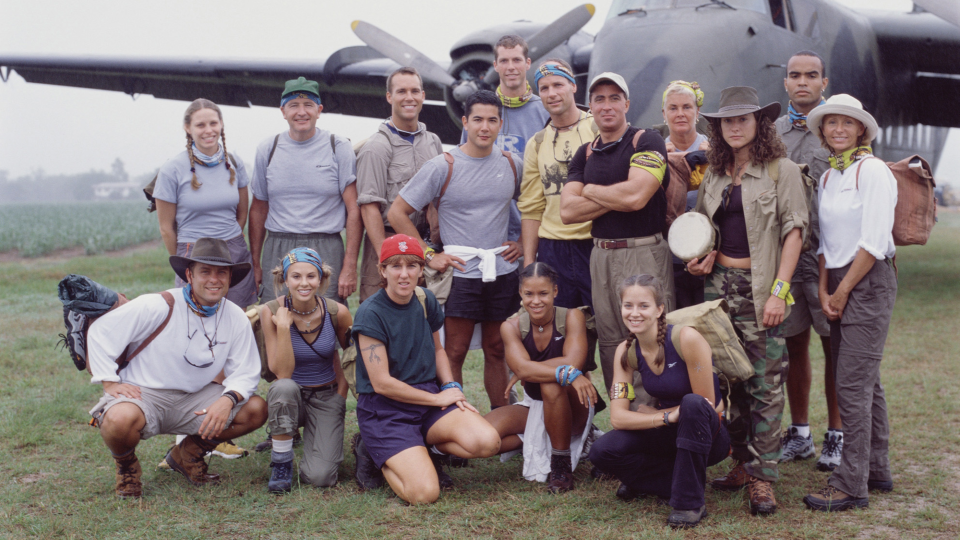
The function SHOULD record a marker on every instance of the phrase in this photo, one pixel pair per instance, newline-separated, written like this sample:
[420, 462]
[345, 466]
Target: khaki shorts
[806, 312]
[168, 411]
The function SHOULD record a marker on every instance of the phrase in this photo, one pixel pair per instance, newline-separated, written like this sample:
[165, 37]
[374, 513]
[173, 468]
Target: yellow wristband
[781, 289]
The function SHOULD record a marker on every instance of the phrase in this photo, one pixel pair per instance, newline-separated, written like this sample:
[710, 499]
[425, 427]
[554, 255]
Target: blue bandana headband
[203, 311]
[553, 69]
[294, 95]
[301, 254]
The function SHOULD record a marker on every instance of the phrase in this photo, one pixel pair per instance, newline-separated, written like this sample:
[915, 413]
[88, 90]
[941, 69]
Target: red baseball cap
[400, 244]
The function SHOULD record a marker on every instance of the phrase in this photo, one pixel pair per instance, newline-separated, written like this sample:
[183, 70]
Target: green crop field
[34, 230]
[58, 477]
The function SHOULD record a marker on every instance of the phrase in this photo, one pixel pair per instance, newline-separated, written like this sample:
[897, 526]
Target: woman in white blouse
[858, 287]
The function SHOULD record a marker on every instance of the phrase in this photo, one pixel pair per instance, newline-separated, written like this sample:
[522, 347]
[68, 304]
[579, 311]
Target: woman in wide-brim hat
[755, 200]
[858, 288]
[202, 193]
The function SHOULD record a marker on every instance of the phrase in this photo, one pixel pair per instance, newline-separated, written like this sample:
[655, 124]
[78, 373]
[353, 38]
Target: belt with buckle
[628, 242]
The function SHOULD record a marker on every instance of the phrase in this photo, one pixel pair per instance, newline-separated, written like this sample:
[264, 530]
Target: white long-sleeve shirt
[166, 362]
[853, 217]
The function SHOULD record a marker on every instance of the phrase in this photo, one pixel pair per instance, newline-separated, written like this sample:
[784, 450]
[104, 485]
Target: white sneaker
[795, 446]
[831, 451]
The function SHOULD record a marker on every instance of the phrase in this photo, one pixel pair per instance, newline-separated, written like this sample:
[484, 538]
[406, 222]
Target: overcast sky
[70, 130]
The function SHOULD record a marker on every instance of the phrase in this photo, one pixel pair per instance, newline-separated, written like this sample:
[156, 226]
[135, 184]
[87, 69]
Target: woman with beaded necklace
[310, 391]
[202, 192]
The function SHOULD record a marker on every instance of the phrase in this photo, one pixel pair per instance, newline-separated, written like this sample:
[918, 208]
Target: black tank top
[553, 350]
[733, 225]
[674, 383]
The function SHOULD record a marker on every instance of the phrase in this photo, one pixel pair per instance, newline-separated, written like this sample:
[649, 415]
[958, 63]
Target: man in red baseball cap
[410, 410]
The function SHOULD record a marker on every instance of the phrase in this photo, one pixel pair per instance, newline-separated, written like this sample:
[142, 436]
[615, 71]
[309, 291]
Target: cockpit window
[629, 7]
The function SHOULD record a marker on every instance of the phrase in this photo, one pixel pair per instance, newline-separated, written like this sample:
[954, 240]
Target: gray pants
[321, 414]
[609, 267]
[857, 346]
[329, 246]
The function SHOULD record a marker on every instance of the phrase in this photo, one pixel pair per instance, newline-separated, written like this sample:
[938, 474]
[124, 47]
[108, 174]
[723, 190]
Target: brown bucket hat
[214, 252]
[741, 100]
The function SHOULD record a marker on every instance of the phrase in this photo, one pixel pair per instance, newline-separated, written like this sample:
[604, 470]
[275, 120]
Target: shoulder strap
[827, 177]
[773, 169]
[631, 353]
[233, 160]
[560, 319]
[449, 158]
[168, 298]
[422, 298]
[858, 169]
[333, 143]
[274, 305]
[513, 166]
[333, 308]
[636, 137]
[538, 139]
[523, 323]
[675, 338]
[273, 149]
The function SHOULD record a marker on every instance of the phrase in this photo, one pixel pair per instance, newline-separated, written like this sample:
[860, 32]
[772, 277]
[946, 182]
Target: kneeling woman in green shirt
[410, 411]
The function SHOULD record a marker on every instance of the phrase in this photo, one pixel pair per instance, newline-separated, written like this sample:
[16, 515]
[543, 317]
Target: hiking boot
[229, 450]
[626, 494]
[560, 479]
[883, 486]
[592, 436]
[454, 461]
[367, 474]
[446, 483]
[831, 499]
[685, 519]
[796, 446]
[280, 477]
[187, 459]
[75, 340]
[762, 502]
[128, 477]
[735, 480]
[831, 451]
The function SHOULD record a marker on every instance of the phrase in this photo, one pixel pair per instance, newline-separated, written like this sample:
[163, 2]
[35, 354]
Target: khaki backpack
[523, 322]
[712, 321]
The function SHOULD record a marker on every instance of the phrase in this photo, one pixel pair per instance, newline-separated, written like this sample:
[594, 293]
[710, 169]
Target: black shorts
[389, 427]
[471, 298]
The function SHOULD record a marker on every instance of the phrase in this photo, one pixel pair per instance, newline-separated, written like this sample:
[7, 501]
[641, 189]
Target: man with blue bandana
[165, 387]
[304, 194]
[805, 83]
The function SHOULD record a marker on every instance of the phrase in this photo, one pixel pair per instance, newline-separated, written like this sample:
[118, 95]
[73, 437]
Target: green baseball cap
[301, 85]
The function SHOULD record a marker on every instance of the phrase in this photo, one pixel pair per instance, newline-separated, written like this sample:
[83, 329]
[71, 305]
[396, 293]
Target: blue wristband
[451, 384]
[565, 375]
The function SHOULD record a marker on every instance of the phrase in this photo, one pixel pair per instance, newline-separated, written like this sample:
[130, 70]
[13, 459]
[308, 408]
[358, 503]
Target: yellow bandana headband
[692, 86]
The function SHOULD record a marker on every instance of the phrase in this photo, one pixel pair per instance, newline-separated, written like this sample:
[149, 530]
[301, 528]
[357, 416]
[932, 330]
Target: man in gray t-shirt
[474, 212]
[304, 194]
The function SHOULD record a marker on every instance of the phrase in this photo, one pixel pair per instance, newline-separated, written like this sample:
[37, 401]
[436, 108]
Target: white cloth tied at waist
[488, 258]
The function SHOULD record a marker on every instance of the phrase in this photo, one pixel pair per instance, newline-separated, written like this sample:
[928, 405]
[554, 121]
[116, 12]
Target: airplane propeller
[539, 44]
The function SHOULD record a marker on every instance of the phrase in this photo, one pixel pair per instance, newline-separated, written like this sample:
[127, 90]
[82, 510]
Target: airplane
[904, 67]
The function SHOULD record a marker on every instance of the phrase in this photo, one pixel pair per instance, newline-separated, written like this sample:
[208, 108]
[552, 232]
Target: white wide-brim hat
[846, 105]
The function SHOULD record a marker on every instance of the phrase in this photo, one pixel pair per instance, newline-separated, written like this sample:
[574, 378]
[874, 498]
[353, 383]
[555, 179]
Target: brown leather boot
[762, 501]
[187, 459]
[735, 480]
[128, 477]
[560, 479]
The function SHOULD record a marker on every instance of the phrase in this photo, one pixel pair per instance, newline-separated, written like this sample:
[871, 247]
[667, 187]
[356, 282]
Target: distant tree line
[38, 187]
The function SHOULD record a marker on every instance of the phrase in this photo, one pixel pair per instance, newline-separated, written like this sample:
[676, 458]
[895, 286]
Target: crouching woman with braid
[301, 336]
[202, 193]
[663, 452]
[408, 400]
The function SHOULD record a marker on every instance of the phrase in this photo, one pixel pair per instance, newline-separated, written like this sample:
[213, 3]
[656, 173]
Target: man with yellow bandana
[619, 182]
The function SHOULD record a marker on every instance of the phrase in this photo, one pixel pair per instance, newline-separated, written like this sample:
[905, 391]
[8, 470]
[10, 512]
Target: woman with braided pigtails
[202, 193]
[664, 451]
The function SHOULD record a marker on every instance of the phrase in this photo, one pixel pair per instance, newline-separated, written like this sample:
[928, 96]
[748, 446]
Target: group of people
[547, 209]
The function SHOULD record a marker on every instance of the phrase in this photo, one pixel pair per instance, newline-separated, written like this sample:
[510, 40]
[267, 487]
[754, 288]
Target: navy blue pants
[688, 288]
[669, 462]
[571, 260]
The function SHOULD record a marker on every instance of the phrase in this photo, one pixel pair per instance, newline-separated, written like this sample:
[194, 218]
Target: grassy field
[58, 477]
[39, 229]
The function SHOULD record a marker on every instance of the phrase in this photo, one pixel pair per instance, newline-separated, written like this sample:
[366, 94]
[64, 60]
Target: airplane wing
[920, 53]
[352, 81]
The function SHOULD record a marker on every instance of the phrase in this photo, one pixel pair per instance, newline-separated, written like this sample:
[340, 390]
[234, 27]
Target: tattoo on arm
[372, 349]
[697, 367]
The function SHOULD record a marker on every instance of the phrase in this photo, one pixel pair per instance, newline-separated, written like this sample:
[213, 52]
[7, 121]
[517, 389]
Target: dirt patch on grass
[36, 477]
[70, 253]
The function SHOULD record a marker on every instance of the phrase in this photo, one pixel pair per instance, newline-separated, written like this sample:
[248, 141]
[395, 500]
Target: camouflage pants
[756, 405]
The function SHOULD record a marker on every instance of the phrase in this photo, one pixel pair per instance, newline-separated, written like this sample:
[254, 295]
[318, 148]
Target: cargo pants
[756, 405]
